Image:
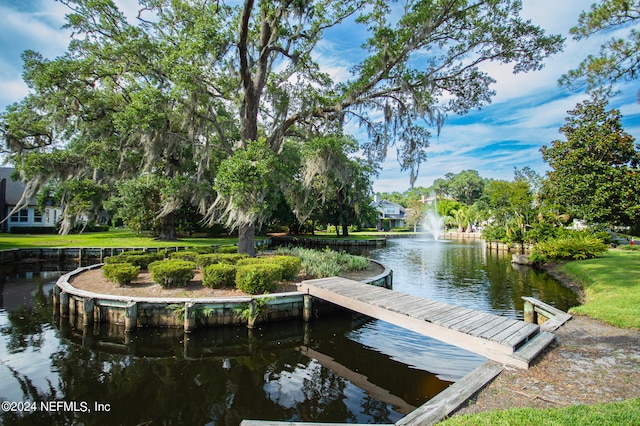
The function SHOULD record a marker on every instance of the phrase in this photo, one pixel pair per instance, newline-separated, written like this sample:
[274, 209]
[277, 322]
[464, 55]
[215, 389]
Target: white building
[10, 194]
[395, 213]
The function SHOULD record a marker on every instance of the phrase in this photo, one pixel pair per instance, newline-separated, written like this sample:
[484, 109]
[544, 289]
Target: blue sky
[525, 114]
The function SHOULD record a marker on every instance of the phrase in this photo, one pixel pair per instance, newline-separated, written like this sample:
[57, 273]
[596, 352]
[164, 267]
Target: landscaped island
[201, 287]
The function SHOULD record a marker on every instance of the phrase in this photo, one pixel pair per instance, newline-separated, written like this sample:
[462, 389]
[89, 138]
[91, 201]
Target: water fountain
[432, 222]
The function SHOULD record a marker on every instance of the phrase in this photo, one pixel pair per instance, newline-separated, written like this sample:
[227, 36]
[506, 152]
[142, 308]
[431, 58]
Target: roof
[14, 189]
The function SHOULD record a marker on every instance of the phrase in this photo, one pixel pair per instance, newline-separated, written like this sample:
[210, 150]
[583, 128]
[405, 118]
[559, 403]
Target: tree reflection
[26, 323]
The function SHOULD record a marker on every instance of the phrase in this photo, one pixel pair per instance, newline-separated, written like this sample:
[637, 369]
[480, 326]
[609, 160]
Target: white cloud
[12, 90]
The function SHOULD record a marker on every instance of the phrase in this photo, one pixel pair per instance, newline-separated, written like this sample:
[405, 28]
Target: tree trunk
[168, 228]
[345, 230]
[246, 239]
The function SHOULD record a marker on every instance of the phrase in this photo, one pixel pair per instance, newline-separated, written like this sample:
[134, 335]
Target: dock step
[528, 352]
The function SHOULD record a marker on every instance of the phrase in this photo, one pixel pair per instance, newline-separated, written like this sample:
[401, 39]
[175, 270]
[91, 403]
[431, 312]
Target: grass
[113, 238]
[612, 287]
[615, 413]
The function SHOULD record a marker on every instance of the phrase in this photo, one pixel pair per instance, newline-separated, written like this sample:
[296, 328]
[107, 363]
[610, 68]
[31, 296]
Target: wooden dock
[504, 340]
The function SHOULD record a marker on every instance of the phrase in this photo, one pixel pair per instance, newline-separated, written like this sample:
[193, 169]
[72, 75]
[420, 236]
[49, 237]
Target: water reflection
[306, 372]
[464, 273]
[345, 369]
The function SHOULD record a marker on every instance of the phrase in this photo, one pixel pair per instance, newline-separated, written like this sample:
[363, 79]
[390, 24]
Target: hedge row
[251, 275]
[135, 258]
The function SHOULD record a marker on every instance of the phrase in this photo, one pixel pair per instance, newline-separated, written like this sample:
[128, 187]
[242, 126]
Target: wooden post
[530, 312]
[89, 303]
[189, 317]
[131, 316]
[64, 304]
[306, 310]
[56, 297]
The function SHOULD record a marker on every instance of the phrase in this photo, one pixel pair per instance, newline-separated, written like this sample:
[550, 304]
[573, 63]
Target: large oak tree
[226, 75]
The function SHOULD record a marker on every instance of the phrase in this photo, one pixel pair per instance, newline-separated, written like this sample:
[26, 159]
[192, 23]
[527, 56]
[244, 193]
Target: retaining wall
[86, 308]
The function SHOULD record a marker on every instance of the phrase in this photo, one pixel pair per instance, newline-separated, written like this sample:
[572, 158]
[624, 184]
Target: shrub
[258, 278]
[291, 265]
[139, 259]
[112, 260]
[204, 250]
[172, 272]
[189, 256]
[204, 260]
[574, 246]
[120, 273]
[232, 258]
[252, 261]
[219, 275]
[228, 249]
[143, 260]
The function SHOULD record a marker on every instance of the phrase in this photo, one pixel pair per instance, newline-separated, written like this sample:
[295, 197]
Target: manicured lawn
[612, 287]
[114, 238]
[614, 414]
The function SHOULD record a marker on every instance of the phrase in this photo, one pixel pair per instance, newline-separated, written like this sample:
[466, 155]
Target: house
[27, 217]
[393, 212]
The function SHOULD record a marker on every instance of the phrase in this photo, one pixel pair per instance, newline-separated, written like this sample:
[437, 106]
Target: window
[20, 216]
[37, 216]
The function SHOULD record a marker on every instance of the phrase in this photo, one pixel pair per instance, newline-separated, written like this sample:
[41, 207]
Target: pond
[342, 369]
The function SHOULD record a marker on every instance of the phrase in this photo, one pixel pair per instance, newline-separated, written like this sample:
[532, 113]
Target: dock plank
[489, 335]
[461, 317]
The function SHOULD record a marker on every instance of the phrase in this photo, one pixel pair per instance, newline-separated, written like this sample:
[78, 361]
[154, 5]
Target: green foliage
[172, 272]
[204, 260]
[120, 273]
[187, 255]
[573, 246]
[246, 181]
[207, 100]
[232, 258]
[136, 258]
[252, 310]
[611, 414]
[617, 59]
[219, 275]
[596, 171]
[291, 265]
[465, 187]
[204, 250]
[340, 183]
[228, 249]
[135, 202]
[258, 278]
[326, 263]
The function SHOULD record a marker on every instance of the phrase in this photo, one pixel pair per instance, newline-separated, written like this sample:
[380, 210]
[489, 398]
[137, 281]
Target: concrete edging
[189, 313]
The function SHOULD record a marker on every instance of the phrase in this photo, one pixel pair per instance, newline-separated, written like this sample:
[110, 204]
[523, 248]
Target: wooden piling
[131, 316]
[307, 307]
[87, 318]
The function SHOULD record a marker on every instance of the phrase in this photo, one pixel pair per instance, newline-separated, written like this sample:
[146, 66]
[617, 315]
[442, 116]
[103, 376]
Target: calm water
[344, 369]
